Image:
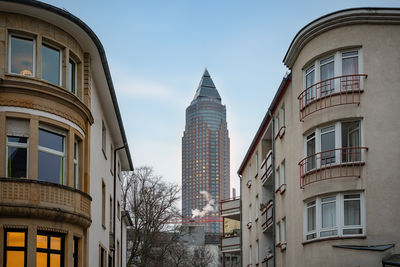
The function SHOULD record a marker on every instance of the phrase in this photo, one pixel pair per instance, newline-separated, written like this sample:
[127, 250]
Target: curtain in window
[350, 67]
[327, 144]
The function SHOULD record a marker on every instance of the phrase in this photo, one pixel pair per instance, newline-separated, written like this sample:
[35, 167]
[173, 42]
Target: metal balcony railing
[341, 90]
[230, 243]
[266, 167]
[267, 216]
[334, 163]
[268, 259]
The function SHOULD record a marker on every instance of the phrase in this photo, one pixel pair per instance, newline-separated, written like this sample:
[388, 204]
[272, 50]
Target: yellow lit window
[15, 248]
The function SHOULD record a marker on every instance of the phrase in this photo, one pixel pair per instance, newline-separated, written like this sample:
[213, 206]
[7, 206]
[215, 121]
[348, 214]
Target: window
[256, 252]
[17, 156]
[257, 206]
[75, 252]
[72, 76]
[276, 125]
[278, 233]
[102, 257]
[256, 163]
[327, 70]
[338, 143]
[103, 138]
[282, 174]
[350, 63]
[334, 215]
[310, 80]
[119, 170]
[51, 158]
[51, 64]
[49, 249]
[111, 214]
[76, 164]
[277, 179]
[15, 248]
[118, 259]
[250, 258]
[112, 159]
[282, 116]
[22, 55]
[118, 210]
[283, 231]
[250, 219]
[103, 204]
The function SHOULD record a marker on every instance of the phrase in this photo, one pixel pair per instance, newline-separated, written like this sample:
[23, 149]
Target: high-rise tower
[205, 155]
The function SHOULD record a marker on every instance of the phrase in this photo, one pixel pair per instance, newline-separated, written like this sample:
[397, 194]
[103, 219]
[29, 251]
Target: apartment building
[62, 143]
[319, 185]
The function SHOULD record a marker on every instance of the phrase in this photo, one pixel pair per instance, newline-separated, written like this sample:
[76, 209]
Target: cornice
[347, 17]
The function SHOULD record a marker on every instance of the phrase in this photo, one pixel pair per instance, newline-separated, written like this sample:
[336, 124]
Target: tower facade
[205, 156]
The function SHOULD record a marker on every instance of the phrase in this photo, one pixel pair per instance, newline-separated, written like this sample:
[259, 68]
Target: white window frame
[257, 208]
[277, 179]
[250, 214]
[338, 142]
[33, 54]
[55, 152]
[250, 256]
[257, 254]
[339, 205]
[282, 116]
[283, 231]
[337, 70]
[278, 233]
[17, 145]
[256, 163]
[60, 62]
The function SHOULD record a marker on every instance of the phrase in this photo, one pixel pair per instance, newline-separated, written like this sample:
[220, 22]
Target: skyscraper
[205, 155]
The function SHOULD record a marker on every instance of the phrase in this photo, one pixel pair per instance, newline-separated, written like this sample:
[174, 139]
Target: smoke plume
[209, 207]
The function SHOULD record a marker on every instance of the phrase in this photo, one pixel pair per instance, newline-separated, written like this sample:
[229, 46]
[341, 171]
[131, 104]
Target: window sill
[333, 238]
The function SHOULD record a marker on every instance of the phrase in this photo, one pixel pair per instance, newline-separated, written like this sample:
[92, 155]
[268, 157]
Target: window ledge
[333, 238]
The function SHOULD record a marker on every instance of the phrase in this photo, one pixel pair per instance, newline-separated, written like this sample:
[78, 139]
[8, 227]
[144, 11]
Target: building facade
[60, 129]
[205, 155]
[318, 186]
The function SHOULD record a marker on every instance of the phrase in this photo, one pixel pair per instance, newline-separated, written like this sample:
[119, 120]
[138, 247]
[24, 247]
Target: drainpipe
[273, 186]
[241, 222]
[121, 243]
[115, 199]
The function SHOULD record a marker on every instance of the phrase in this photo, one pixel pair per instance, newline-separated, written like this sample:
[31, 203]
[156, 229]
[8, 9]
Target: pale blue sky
[157, 52]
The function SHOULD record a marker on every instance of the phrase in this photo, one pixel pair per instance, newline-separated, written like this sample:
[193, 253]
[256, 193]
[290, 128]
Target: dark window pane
[72, 76]
[352, 231]
[16, 162]
[22, 56]
[51, 140]
[327, 143]
[51, 64]
[50, 167]
[17, 139]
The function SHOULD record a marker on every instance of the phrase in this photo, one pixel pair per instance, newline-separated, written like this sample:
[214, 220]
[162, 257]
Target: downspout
[115, 200]
[121, 243]
[241, 222]
[273, 186]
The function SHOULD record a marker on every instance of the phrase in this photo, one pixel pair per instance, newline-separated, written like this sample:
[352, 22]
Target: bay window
[15, 247]
[339, 214]
[51, 64]
[51, 158]
[21, 55]
[49, 249]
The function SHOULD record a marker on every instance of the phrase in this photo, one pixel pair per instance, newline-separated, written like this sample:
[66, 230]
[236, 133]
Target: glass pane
[327, 199]
[327, 72]
[311, 236]
[327, 143]
[41, 259]
[16, 162]
[22, 56]
[328, 215]
[55, 260]
[328, 233]
[15, 239]
[51, 64]
[352, 212]
[351, 138]
[309, 83]
[352, 196]
[311, 218]
[71, 75]
[15, 259]
[51, 140]
[41, 241]
[310, 152]
[17, 139]
[352, 231]
[350, 66]
[349, 54]
[50, 167]
[55, 243]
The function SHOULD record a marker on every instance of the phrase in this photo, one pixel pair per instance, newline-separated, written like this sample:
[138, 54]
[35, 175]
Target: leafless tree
[151, 204]
[202, 257]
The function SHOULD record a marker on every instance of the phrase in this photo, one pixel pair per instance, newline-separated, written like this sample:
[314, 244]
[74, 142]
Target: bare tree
[151, 203]
[202, 257]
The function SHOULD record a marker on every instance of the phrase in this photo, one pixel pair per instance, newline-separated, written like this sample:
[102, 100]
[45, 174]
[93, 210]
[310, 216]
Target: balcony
[341, 90]
[27, 198]
[230, 208]
[266, 216]
[266, 169]
[329, 164]
[230, 244]
[268, 260]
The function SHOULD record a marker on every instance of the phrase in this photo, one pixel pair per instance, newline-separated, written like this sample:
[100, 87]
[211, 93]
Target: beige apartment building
[319, 184]
[62, 143]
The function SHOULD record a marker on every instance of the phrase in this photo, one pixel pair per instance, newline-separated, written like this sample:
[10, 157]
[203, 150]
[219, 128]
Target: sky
[157, 51]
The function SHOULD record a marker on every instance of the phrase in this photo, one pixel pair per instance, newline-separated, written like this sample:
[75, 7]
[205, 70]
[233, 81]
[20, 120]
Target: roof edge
[345, 17]
[65, 14]
[276, 100]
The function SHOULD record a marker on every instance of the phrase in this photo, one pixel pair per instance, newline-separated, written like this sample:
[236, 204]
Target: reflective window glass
[21, 55]
[51, 64]
[16, 161]
[51, 140]
[50, 167]
[72, 76]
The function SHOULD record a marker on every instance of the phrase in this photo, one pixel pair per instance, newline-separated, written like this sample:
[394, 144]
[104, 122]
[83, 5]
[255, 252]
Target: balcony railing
[266, 167]
[341, 90]
[267, 216]
[230, 243]
[334, 163]
[268, 259]
[230, 207]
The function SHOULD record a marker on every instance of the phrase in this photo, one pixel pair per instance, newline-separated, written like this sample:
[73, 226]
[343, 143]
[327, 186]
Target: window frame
[54, 47]
[11, 248]
[17, 145]
[27, 37]
[76, 164]
[55, 152]
[339, 227]
[73, 89]
[75, 251]
[49, 250]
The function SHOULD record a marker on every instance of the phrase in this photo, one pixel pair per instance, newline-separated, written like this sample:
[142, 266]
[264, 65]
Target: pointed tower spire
[206, 87]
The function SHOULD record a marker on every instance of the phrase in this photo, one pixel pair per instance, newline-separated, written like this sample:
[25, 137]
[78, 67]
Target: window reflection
[21, 55]
[51, 64]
